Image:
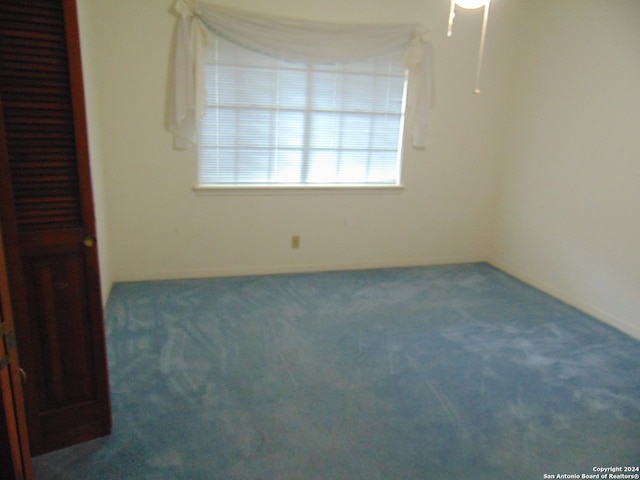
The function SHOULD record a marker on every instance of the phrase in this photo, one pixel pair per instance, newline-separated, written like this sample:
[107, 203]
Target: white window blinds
[271, 122]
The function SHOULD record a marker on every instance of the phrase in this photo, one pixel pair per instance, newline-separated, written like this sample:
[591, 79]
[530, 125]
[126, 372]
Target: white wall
[159, 228]
[89, 58]
[569, 212]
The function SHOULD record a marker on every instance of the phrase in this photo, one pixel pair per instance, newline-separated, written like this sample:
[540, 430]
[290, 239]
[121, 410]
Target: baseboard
[249, 270]
[579, 303]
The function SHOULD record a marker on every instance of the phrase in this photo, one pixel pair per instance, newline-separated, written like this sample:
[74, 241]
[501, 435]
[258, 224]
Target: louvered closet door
[55, 282]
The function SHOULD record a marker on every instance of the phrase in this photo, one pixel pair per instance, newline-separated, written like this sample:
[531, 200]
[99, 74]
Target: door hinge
[9, 337]
[9, 343]
[10, 340]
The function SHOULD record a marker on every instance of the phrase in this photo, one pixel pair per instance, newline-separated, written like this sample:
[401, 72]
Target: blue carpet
[446, 372]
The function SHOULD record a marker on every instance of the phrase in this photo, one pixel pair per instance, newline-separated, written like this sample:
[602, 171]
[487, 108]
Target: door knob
[89, 241]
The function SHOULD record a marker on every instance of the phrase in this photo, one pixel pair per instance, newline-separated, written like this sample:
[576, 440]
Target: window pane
[214, 165]
[356, 131]
[292, 89]
[325, 90]
[288, 167]
[383, 131]
[253, 166]
[352, 167]
[383, 167]
[357, 93]
[289, 130]
[322, 166]
[254, 127]
[325, 130]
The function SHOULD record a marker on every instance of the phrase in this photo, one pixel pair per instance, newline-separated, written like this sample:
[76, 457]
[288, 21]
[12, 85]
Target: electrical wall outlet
[295, 241]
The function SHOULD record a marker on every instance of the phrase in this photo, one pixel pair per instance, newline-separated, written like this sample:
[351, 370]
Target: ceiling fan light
[470, 4]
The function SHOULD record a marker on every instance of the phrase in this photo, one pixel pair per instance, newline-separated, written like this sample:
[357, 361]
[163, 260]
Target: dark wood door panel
[58, 306]
[61, 428]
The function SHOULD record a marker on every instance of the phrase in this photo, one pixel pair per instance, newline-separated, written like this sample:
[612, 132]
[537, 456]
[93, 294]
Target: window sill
[298, 190]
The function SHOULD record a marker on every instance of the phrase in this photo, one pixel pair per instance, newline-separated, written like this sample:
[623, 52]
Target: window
[273, 123]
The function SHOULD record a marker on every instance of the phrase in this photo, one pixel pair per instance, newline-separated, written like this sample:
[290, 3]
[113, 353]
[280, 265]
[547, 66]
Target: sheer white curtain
[296, 41]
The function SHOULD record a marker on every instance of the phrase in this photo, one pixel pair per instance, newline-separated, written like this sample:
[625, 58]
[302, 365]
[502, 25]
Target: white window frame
[331, 188]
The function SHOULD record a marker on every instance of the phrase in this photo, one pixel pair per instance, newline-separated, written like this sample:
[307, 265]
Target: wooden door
[15, 458]
[47, 215]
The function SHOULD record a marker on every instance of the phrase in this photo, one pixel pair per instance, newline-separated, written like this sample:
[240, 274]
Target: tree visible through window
[269, 122]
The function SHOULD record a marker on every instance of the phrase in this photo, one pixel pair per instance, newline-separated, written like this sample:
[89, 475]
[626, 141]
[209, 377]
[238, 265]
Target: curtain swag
[294, 41]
